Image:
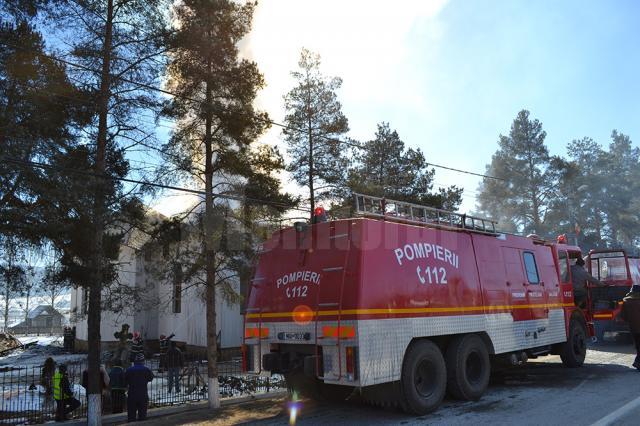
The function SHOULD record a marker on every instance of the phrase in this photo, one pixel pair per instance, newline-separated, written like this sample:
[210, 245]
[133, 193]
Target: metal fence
[24, 399]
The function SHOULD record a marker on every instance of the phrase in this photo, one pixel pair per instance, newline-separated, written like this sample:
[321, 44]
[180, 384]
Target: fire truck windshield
[611, 267]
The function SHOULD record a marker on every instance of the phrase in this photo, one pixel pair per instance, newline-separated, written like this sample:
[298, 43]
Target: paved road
[542, 392]
[606, 390]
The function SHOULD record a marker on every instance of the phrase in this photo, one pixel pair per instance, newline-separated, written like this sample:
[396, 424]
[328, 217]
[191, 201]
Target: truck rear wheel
[468, 367]
[423, 382]
[574, 350]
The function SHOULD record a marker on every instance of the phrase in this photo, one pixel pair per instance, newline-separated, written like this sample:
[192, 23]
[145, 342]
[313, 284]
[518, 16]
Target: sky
[450, 76]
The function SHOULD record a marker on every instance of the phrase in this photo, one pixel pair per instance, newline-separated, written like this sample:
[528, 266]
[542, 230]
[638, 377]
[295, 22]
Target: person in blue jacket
[136, 378]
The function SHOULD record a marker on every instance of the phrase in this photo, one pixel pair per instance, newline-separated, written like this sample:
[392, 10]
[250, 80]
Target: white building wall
[190, 325]
[230, 321]
[110, 322]
[158, 318]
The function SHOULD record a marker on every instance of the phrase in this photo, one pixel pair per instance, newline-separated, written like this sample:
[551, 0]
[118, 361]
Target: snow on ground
[41, 340]
[20, 399]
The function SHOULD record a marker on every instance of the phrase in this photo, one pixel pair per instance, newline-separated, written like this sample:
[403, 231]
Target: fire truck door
[516, 284]
[536, 287]
[330, 255]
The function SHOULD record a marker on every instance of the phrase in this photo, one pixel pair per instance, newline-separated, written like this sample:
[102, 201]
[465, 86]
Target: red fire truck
[404, 303]
[620, 272]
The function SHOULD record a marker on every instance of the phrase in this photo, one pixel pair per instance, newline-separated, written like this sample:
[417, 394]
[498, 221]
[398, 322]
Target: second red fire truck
[405, 303]
[620, 272]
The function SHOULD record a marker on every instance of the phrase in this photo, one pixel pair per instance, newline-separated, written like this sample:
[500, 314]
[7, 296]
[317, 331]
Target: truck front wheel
[424, 378]
[574, 350]
[468, 367]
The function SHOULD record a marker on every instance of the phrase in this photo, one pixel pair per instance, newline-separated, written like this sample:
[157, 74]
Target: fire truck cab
[619, 272]
[404, 303]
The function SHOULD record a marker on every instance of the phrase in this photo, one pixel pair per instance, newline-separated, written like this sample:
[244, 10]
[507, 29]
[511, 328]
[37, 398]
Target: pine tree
[315, 123]
[13, 275]
[521, 199]
[53, 284]
[586, 182]
[212, 146]
[385, 168]
[20, 11]
[39, 109]
[620, 191]
[116, 47]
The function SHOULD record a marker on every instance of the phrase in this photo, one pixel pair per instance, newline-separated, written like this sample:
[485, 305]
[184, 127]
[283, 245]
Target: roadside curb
[166, 411]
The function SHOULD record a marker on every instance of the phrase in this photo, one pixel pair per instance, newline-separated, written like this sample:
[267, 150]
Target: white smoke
[363, 42]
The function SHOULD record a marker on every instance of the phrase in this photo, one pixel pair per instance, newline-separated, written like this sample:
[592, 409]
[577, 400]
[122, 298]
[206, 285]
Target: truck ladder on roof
[401, 211]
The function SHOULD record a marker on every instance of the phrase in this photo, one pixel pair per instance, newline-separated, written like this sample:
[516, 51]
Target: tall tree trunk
[598, 226]
[312, 199]
[26, 309]
[95, 287]
[245, 280]
[210, 258]
[6, 307]
[535, 202]
[7, 292]
[536, 214]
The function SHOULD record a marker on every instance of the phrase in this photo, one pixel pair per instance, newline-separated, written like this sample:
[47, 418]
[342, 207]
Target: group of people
[125, 384]
[129, 345]
[55, 382]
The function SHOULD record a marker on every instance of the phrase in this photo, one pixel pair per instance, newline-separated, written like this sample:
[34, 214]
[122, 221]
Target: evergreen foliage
[385, 168]
[40, 112]
[315, 124]
[212, 148]
[593, 195]
[521, 199]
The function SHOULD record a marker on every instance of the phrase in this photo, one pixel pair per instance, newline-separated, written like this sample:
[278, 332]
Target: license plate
[294, 336]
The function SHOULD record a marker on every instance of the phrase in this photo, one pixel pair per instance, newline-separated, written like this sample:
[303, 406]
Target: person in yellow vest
[65, 402]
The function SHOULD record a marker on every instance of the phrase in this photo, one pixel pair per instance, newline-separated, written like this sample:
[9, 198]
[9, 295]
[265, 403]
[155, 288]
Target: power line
[265, 120]
[152, 184]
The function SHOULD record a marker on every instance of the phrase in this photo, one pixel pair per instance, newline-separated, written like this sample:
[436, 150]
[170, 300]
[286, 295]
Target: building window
[85, 301]
[530, 266]
[177, 298]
